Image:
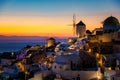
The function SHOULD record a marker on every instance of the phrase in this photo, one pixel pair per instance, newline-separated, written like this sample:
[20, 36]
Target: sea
[16, 45]
[13, 46]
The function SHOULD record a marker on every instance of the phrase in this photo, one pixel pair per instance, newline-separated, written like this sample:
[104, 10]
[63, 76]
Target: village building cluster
[89, 56]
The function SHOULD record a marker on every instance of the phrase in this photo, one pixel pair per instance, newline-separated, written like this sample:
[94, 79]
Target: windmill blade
[73, 24]
[70, 25]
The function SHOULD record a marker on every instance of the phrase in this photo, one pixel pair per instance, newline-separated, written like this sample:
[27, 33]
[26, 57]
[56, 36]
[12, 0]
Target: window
[55, 67]
[113, 78]
[60, 67]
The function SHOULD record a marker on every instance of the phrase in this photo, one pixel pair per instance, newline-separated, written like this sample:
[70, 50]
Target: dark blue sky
[83, 7]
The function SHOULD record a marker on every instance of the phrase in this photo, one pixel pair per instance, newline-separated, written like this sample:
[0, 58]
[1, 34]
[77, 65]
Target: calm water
[15, 45]
[6, 46]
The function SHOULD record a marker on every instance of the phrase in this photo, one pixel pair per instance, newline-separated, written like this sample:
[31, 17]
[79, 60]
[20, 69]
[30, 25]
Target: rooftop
[81, 23]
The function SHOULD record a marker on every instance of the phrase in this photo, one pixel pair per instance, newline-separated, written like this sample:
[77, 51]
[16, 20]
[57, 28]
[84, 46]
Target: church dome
[111, 21]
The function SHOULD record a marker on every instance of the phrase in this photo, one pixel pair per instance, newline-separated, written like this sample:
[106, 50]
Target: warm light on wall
[99, 59]
[50, 42]
[89, 50]
[21, 66]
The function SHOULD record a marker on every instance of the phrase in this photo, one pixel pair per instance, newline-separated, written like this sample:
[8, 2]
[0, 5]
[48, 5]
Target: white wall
[106, 37]
[84, 75]
[39, 76]
[64, 67]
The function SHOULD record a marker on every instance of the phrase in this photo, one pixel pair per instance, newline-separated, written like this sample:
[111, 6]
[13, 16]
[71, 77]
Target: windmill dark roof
[51, 39]
[81, 23]
[111, 21]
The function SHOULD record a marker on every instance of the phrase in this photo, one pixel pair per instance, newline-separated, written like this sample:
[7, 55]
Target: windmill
[74, 25]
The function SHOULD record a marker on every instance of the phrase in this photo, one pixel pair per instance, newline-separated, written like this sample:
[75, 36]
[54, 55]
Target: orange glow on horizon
[34, 26]
[36, 31]
[45, 25]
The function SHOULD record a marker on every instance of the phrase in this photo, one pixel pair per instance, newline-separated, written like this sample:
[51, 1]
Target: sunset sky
[53, 17]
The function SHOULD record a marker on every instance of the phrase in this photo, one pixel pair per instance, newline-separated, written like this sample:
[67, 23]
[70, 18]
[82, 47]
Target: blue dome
[111, 21]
